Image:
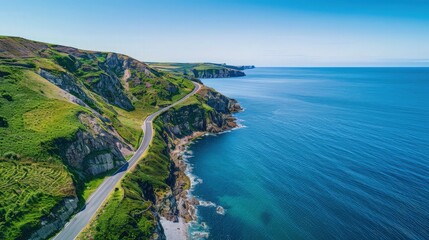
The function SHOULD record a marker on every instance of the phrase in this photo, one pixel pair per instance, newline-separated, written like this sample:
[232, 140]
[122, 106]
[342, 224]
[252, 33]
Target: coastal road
[72, 229]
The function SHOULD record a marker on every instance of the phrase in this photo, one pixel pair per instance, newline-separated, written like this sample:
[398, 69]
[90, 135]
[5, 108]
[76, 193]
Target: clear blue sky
[260, 32]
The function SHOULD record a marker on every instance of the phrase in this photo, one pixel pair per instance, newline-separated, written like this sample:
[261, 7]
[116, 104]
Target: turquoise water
[328, 153]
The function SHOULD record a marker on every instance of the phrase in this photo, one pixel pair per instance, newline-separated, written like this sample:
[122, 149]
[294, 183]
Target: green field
[28, 191]
[185, 68]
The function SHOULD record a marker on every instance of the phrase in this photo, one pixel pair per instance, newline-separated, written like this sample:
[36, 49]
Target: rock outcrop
[217, 73]
[68, 84]
[96, 150]
[110, 87]
[56, 218]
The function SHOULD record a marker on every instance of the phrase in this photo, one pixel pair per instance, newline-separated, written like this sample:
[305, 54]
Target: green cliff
[202, 70]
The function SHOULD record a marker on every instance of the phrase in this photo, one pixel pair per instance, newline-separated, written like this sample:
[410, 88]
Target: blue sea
[324, 153]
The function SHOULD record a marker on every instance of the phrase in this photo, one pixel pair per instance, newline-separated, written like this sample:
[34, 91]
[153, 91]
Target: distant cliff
[217, 73]
[202, 70]
[244, 67]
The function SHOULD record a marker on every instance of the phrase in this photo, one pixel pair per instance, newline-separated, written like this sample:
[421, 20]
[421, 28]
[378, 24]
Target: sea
[322, 153]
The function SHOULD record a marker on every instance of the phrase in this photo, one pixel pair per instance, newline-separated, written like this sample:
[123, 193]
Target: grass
[41, 86]
[92, 184]
[185, 68]
[28, 191]
[32, 179]
[194, 100]
[204, 67]
[122, 218]
[34, 120]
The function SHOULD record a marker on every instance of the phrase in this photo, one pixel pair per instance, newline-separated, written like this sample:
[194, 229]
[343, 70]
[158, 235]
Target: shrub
[7, 97]
[11, 155]
[3, 122]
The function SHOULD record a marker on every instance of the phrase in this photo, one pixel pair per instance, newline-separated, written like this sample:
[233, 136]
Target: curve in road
[72, 229]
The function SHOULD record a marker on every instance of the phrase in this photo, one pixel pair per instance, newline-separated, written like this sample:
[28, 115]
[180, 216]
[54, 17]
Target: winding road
[72, 229]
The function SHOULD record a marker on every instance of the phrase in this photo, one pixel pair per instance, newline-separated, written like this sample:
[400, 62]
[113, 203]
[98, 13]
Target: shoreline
[186, 202]
[175, 230]
[186, 205]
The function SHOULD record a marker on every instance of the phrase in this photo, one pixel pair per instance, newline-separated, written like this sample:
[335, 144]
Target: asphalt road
[72, 229]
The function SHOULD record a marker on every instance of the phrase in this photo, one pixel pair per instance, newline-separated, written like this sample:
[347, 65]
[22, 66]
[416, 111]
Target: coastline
[177, 208]
[179, 229]
[186, 202]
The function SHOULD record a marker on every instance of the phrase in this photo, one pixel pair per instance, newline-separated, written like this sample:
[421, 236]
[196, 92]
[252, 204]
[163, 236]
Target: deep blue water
[326, 153]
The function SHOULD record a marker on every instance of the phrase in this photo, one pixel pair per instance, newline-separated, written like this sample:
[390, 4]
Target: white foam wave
[199, 230]
[207, 204]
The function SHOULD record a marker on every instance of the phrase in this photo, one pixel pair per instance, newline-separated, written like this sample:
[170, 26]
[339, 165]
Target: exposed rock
[97, 150]
[220, 102]
[172, 89]
[159, 231]
[194, 201]
[121, 65]
[217, 73]
[67, 83]
[113, 62]
[111, 89]
[220, 210]
[56, 219]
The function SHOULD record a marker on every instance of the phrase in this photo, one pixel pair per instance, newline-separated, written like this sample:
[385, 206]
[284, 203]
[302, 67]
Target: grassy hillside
[32, 180]
[44, 88]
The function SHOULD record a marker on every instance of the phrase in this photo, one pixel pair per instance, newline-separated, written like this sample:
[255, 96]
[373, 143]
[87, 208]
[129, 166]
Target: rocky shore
[189, 124]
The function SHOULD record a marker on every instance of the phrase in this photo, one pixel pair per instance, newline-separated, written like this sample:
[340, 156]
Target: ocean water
[325, 153]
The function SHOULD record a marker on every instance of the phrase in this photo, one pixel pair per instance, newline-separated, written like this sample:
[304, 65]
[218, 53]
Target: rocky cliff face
[56, 219]
[220, 102]
[185, 123]
[109, 87]
[68, 84]
[217, 73]
[96, 150]
[120, 64]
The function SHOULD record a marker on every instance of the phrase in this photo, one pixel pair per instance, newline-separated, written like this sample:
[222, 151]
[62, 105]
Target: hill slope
[67, 117]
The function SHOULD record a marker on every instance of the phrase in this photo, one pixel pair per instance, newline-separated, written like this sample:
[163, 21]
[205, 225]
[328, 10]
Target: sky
[257, 32]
